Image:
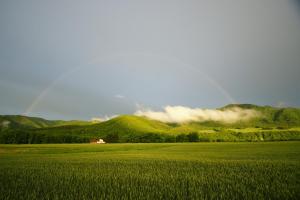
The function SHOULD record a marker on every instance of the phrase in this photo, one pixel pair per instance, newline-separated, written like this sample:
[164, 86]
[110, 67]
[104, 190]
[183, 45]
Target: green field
[261, 170]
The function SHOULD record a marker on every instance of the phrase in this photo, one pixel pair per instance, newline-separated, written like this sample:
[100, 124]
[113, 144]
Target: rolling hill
[271, 116]
[271, 124]
[19, 121]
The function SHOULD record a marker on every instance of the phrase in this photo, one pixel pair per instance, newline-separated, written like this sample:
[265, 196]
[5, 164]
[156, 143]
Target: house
[100, 141]
[95, 141]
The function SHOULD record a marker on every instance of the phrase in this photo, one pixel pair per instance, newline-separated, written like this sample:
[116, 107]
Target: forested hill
[271, 124]
[270, 116]
[19, 121]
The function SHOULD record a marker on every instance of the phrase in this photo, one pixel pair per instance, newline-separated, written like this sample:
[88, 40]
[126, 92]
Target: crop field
[258, 170]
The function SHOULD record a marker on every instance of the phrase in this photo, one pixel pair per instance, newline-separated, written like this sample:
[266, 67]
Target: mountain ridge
[272, 124]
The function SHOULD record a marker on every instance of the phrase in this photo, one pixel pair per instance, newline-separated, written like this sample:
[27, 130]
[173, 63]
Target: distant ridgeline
[272, 124]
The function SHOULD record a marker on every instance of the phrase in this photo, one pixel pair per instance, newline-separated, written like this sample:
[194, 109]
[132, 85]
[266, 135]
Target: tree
[181, 138]
[193, 137]
[112, 138]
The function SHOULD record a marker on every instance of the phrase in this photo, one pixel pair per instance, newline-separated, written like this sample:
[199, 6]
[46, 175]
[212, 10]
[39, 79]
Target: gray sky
[77, 59]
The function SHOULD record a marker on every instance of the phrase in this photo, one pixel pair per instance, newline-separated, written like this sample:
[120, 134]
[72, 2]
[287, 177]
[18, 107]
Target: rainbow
[97, 60]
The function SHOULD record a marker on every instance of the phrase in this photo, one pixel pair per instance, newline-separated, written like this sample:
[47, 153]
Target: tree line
[32, 137]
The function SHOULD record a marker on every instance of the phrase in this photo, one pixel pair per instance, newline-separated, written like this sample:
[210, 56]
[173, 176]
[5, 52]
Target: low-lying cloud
[103, 119]
[181, 114]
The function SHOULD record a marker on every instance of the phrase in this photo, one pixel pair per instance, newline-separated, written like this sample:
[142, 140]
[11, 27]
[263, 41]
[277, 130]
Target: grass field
[261, 170]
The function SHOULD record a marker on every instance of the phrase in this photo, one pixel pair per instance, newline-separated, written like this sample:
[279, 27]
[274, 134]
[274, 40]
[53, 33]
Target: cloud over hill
[181, 114]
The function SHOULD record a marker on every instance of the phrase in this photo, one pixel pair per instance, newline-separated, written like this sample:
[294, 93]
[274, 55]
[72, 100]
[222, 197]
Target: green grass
[271, 124]
[128, 128]
[262, 170]
[36, 122]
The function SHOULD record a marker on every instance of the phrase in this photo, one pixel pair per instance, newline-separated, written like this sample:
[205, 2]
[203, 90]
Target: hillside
[19, 121]
[271, 124]
[269, 117]
[125, 127]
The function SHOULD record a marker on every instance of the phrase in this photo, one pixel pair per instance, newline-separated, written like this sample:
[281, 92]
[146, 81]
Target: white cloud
[103, 119]
[119, 96]
[181, 114]
[281, 104]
